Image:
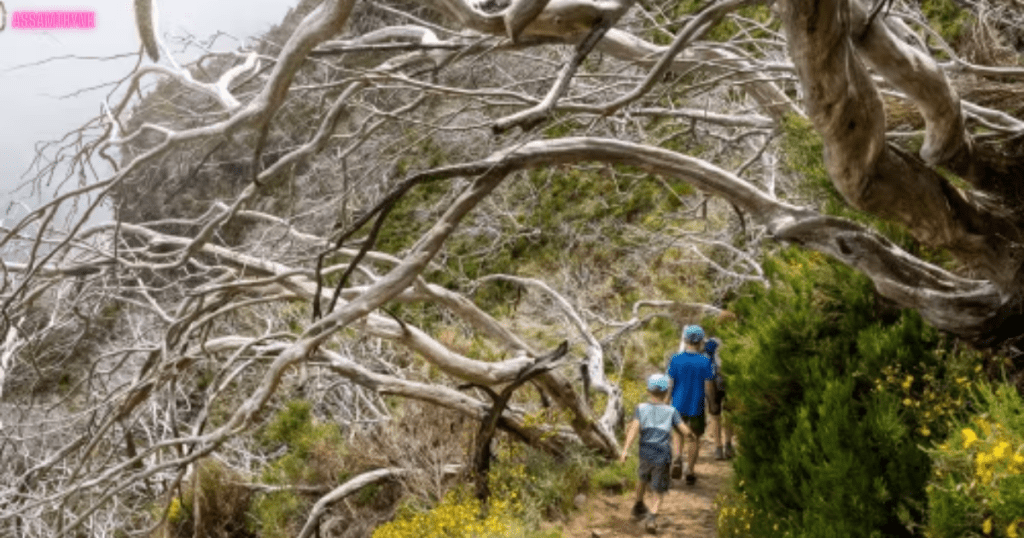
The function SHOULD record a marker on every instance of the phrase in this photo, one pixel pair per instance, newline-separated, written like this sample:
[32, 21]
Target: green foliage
[367, 495]
[663, 335]
[552, 212]
[737, 515]
[829, 449]
[543, 484]
[947, 18]
[727, 29]
[316, 456]
[617, 477]
[410, 217]
[278, 514]
[215, 493]
[527, 487]
[634, 390]
[977, 487]
[290, 423]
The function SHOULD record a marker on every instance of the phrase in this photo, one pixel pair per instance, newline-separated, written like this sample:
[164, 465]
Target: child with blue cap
[654, 422]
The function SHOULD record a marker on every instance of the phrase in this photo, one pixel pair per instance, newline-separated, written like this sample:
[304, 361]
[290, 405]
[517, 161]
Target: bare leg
[692, 448]
[716, 429]
[656, 505]
[727, 426]
[641, 488]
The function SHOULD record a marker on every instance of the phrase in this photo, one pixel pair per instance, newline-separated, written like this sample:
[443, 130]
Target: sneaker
[691, 479]
[728, 452]
[718, 454]
[651, 524]
[639, 510]
[677, 469]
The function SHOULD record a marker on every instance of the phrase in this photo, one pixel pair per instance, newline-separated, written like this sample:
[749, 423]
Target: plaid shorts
[655, 474]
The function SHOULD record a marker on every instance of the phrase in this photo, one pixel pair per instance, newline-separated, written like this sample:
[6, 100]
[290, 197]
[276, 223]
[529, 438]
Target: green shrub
[543, 485]
[616, 477]
[215, 494]
[829, 448]
[977, 488]
[947, 18]
[316, 456]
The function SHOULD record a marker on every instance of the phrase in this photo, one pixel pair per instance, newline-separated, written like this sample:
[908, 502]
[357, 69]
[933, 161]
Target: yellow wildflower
[987, 526]
[969, 437]
[1000, 450]
[1011, 530]
[925, 431]
[907, 401]
[908, 382]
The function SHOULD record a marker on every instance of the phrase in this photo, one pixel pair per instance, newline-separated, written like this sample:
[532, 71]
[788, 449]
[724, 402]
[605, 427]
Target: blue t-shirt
[656, 423]
[688, 372]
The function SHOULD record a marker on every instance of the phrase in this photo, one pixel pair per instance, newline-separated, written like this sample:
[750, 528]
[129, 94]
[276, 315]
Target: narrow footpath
[687, 512]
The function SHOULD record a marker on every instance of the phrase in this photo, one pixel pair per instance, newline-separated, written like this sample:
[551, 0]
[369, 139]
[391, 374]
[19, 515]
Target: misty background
[44, 101]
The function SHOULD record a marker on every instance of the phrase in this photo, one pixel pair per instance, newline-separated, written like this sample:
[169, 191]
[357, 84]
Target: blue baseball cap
[693, 334]
[657, 382]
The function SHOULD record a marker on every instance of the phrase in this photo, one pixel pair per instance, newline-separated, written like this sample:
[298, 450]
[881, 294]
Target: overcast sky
[32, 102]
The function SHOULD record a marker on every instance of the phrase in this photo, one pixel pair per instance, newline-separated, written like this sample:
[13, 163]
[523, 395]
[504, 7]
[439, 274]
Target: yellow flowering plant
[458, 515]
[737, 517]
[977, 485]
[931, 399]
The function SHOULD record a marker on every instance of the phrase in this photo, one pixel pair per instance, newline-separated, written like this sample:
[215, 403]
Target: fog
[44, 101]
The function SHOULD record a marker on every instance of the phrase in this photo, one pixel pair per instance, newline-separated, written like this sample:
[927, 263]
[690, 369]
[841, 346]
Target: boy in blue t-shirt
[689, 369]
[654, 422]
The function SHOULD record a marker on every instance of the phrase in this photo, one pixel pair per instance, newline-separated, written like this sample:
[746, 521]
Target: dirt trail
[687, 511]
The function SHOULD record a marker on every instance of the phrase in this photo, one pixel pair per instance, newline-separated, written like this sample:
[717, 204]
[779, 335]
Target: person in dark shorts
[688, 370]
[721, 428]
[654, 422]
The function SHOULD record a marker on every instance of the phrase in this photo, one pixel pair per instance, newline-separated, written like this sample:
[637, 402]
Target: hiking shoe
[677, 469]
[728, 452]
[651, 524]
[639, 510]
[718, 454]
[691, 479]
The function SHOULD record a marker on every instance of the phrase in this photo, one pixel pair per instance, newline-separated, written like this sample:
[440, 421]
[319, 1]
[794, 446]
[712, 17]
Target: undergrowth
[838, 396]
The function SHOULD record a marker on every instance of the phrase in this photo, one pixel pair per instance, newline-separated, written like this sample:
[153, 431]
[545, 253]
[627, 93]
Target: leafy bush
[316, 456]
[835, 393]
[615, 476]
[947, 18]
[977, 487]
[215, 494]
